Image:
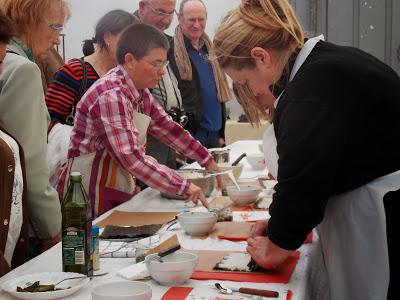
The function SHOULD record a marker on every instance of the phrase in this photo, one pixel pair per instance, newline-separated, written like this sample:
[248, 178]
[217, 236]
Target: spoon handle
[239, 159]
[265, 293]
[169, 251]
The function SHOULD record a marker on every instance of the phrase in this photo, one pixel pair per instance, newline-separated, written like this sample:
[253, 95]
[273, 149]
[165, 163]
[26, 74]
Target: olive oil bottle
[76, 228]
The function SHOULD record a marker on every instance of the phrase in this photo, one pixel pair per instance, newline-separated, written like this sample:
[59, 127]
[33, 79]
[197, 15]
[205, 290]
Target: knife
[258, 292]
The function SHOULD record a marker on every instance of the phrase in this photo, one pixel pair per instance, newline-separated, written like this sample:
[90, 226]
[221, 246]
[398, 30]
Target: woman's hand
[265, 253]
[259, 228]
[212, 166]
[195, 194]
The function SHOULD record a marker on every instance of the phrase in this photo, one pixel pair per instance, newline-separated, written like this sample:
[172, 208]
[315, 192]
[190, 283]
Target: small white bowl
[247, 194]
[122, 290]
[175, 268]
[256, 161]
[197, 223]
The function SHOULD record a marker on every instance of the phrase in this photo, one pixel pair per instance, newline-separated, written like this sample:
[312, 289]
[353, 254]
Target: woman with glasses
[108, 140]
[336, 146]
[23, 110]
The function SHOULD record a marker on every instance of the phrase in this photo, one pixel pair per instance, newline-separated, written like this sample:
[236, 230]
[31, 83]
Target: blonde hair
[251, 106]
[269, 24]
[27, 14]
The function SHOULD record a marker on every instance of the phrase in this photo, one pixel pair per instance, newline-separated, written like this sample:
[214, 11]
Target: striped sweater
[64, 88]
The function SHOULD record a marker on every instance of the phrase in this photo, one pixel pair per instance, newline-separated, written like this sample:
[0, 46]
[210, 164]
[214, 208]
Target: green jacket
[23, 113]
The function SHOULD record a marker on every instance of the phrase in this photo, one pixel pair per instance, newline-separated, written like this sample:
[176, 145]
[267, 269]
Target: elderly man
[202, 83]
[159, 13]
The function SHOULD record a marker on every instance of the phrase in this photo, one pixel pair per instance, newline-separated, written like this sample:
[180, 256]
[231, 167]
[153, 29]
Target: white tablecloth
[307, 282]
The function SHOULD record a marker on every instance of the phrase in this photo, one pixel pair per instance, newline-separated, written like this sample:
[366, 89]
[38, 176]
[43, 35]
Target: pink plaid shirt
[104, 121]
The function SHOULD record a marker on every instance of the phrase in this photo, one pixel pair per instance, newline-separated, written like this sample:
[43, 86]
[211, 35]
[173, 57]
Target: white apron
[353, 231]
[104, 180]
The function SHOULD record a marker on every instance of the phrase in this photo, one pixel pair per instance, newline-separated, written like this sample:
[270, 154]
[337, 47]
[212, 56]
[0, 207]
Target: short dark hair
[114, 22]
[139, 40]
[7, 29]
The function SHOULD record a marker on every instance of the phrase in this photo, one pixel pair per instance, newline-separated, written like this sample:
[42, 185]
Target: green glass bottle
[76, 228]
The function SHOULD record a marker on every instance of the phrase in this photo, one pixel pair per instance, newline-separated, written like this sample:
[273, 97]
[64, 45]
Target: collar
[138, 95]
[18, 46]
[188, 43]
[283, 82]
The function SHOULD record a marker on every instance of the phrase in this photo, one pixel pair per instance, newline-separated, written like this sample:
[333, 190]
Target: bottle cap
[76, 176]
[95, 230]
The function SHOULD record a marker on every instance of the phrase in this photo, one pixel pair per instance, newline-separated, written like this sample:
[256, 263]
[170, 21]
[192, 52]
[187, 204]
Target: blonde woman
[337, 143]
[23, 111]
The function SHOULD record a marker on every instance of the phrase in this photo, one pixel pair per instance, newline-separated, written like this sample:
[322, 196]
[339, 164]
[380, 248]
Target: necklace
[27, 51]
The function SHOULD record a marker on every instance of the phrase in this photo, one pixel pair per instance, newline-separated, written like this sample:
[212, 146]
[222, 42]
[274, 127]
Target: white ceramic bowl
[122, 290]
[246, 195]
[175, 269]
[197, 223]
[256, 161]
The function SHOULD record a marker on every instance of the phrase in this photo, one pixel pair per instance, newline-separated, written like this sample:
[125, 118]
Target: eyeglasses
[56, 27]
[159, 12]
[159, 64]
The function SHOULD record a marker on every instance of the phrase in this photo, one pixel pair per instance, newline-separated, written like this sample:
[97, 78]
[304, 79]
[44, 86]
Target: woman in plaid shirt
[107, 139]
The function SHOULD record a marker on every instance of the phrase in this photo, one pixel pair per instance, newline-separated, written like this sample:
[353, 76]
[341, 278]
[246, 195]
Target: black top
[337, 127]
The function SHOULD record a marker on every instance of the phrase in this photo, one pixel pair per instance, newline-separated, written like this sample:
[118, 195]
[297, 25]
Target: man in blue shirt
[202, 84]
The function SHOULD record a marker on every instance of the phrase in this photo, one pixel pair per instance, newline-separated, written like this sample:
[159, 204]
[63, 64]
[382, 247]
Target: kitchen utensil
[161, 254]
[75, 277]
[197, 223]
[175, 270]
[244, 195]
[220, 154]
[248, 291]
[45, 278]
[239, 159]
[122, 290]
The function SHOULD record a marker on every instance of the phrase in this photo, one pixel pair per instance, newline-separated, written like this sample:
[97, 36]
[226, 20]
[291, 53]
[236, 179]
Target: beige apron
[353, 231]
[104, 180]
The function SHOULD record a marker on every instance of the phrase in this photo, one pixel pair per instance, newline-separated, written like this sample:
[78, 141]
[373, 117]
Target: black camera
[178, 115]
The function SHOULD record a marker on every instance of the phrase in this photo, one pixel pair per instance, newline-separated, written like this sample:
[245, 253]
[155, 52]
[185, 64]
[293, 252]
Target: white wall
[85, 14]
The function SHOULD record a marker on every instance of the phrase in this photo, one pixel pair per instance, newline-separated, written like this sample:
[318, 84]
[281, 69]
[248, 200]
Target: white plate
[10, 286]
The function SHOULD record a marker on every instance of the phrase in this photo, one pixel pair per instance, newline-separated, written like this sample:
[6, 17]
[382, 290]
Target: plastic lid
[95, 229]
[75, 173]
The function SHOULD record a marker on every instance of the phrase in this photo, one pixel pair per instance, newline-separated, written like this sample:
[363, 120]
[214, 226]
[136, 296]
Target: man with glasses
[202, 83]
[159, 13]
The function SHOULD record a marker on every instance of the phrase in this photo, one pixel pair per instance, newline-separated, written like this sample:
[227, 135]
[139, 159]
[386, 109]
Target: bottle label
[73, 244]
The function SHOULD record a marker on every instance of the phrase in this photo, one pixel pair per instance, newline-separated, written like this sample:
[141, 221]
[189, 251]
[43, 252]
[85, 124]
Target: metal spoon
[160, 255]
[248, 291]
[76, 277]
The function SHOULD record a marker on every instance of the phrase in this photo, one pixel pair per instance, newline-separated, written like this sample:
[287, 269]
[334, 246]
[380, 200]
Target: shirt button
[10, 168]
[22, 240]
[5, 222]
